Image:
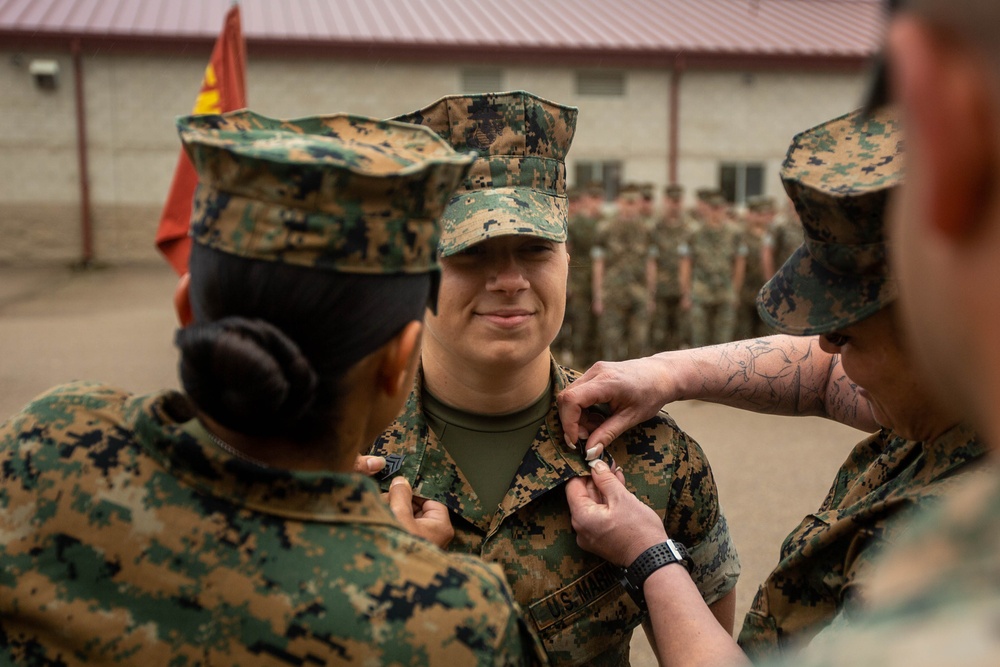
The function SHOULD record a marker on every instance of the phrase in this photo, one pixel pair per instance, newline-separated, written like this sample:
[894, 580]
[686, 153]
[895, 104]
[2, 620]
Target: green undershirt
[487, 448]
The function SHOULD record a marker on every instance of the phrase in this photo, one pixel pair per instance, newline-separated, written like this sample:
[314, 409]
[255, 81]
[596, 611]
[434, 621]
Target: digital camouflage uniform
[128, 538]
[624, 245]
[581, 235]
[669, 235]
[935, 601]
[786, 235]
[840, 176]
[748, 322]
[828, 558]
[713, 252]
[573, 598]
[125, 540]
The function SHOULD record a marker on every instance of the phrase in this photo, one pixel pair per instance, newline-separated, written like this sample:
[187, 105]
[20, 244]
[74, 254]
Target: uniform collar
[409, 444]
[327, 497]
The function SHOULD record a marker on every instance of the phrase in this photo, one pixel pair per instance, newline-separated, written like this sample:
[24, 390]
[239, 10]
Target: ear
[398, 359]
[182, 300]
[946, 101]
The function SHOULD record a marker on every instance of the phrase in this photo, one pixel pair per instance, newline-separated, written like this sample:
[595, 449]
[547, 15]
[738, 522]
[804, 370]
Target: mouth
[507, 318]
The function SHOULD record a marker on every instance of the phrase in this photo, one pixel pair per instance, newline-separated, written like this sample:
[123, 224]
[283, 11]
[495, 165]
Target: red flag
[223, 89]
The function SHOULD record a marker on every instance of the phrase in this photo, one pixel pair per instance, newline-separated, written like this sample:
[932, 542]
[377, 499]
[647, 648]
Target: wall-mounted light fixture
[45, 73]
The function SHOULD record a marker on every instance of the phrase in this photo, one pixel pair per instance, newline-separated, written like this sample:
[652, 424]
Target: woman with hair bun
[225, 524]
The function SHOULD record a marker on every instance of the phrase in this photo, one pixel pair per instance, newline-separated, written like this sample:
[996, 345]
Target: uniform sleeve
[700, 523]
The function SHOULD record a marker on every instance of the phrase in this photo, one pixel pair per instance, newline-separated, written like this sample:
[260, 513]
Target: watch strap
[649, 561]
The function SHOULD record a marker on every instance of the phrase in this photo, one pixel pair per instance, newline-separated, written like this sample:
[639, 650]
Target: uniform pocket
[590, 616]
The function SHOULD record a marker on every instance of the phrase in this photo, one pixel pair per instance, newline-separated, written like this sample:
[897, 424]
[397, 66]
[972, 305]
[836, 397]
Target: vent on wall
[482, 81]
[600, 83]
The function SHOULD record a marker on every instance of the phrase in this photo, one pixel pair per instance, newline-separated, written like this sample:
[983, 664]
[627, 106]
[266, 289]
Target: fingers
[573, 401]
[570, 411]
[369, 465]
[607, 432]
[401, 501]
[578, 495]
[434, 522]
[610, 483]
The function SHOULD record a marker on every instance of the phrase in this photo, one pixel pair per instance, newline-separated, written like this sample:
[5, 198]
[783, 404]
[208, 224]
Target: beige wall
[131, 102]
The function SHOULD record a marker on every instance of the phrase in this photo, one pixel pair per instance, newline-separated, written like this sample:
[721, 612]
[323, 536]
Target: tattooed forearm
[786, 375]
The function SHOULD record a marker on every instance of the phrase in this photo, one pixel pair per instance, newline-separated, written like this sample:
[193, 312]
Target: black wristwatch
[648, 562]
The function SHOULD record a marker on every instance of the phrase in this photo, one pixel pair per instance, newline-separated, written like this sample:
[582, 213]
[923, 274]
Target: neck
[494, 390]
[280, 453]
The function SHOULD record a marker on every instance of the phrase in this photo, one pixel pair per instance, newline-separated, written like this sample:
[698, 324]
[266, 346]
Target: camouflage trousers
[624, 329]
[712, 323]
[748, 322]
[670, 325]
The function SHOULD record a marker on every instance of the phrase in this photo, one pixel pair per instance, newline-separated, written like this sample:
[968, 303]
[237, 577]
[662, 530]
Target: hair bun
[246, 374]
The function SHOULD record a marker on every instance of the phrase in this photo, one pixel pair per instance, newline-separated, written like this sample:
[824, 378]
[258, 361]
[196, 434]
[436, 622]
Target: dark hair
[270, 342]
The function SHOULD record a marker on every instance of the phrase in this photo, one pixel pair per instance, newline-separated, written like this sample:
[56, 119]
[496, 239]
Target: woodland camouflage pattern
[828, 559]
[518, 184]
[125, 540]
[343, 193]
[573, 598]
[839, 175]
[935, 601]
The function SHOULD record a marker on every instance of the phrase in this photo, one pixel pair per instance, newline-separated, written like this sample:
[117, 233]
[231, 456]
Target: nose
[506, 273]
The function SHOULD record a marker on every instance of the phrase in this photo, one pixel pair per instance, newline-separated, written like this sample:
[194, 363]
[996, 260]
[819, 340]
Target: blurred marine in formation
[713, 263]
[670, 233]
[624, 278]
[760, 266]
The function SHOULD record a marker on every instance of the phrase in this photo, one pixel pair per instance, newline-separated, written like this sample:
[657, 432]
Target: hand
[609, 521]
[428, 519]
[686, 302]
[597, 307]
[632, 391]
[369, 465]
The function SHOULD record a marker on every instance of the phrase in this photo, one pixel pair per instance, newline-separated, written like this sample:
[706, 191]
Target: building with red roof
[699, 92]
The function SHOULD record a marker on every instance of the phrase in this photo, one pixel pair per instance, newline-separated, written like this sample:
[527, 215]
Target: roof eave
[426, 52]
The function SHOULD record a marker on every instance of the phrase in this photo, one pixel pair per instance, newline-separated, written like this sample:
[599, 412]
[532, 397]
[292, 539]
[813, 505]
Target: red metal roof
[850, 29]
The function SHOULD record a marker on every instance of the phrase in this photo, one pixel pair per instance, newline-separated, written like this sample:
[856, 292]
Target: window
[741, 180]
[482, 80]
[607, 173]
[600, 83]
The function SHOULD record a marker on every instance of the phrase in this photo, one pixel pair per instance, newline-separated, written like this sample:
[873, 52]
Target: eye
[471, 251]
[538, 247]
[836, 339]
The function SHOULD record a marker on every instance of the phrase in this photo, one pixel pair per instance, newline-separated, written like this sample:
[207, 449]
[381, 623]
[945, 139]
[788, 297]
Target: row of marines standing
[646, 280]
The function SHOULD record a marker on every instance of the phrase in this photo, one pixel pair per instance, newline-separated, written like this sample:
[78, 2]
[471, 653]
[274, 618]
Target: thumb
[607, 481]
[401, 500]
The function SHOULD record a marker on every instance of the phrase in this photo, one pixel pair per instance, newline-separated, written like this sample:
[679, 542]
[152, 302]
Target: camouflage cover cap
[518, 184]
[711, 196]
[839, 176]
[340, 193]
[760, 204]
[674, 191]
[595, 189]
[630, 192]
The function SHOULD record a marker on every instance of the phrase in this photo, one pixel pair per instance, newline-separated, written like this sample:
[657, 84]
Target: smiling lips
[507, 318]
